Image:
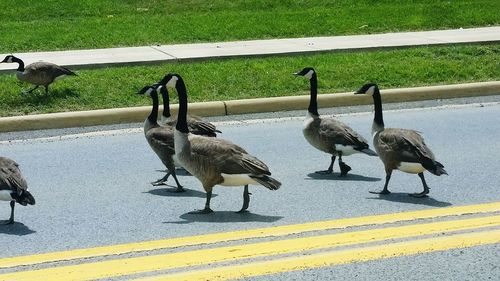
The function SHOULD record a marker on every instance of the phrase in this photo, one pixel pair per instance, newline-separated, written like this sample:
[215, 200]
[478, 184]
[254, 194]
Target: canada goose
[38, 73]
[215, 161]
[328, 134]
[196, 125]
[160, 138]
[13, 186]
[400, 149]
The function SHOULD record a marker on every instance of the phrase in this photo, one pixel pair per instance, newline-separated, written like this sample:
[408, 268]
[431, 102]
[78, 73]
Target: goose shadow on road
[225, 217]
[336, 177]
[17, 228]
[405, 198]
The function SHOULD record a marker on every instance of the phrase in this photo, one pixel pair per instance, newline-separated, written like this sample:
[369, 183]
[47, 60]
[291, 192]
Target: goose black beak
[296, 74]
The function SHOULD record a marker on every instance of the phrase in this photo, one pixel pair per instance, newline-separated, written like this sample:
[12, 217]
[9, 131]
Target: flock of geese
[191, 143]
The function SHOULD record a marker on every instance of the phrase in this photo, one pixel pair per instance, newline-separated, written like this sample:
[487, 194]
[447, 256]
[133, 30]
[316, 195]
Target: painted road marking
[135, 265]
[336, 258]
[247, 234]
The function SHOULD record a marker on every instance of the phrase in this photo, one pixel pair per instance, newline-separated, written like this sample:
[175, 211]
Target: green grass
[259, 77]
[28, 25]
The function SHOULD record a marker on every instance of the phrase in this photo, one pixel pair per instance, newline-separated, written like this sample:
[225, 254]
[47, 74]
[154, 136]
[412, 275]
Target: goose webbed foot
[382, 192]
[344, 169]
[161, 181]
[420, 195]
[325, 172]
[205, 211]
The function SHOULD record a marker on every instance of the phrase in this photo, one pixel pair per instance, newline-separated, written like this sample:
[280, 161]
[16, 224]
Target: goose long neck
[166, 102]
[183, 104]
[153, 116]
[313, 102]
[20, 64]
[378, 120]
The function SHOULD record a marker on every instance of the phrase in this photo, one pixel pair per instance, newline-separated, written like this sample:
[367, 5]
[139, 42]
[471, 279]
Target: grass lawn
[28, 25]
[259, 77]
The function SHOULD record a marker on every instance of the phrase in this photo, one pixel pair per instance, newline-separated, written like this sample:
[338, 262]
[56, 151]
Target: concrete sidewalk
[166, 53]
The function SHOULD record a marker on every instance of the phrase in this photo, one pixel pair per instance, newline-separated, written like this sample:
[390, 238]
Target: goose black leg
[207, 209]
[426, 188]
[11, 219]
[163, 181]
[29, 91]
[387, 178]
[46, 90]
[330, 168]
[344, 168]
[246, 200]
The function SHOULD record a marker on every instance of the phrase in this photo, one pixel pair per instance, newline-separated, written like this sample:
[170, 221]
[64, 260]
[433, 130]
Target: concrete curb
[232, 107]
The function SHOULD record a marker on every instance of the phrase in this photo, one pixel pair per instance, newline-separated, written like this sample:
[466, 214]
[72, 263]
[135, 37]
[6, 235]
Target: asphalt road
[93, 189]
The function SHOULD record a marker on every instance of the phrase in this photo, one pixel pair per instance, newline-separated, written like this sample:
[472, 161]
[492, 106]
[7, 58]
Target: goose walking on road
[329, 134]
[13, 186]
[400, 149]
[160, 138]
[215, 161]
[38, 73]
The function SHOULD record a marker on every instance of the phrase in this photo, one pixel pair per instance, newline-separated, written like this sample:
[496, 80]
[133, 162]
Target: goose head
[368, 88]
[170, 80]
[307, 72]
[148, 90]
[9, 59]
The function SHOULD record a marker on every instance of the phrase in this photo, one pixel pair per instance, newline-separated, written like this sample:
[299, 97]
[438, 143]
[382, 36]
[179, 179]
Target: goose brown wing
[337, 132]
[227, 157]
[407, 144]
[162, 137]
[10, 176]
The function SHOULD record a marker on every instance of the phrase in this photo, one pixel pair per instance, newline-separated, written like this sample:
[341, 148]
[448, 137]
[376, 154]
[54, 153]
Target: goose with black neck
[38, 73]
[160, 138]
[195, 123]
[215, 161]
[328, 134]
[400, 149]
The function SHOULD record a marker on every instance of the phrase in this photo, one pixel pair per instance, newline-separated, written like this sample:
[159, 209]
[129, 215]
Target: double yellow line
[184, 259]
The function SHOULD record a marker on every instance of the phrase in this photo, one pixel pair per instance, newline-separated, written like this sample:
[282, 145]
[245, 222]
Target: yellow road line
[127, 266]
[336, 258]
[246, 234]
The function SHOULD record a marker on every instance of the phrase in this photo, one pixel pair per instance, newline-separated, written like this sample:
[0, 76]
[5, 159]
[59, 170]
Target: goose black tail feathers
[267, 181]
[369, 152]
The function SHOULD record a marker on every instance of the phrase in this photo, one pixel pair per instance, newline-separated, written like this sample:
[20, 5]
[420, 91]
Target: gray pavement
[94, 190]
[179, 52]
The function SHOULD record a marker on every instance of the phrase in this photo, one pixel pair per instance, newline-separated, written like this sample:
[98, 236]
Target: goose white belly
[237, 180]
[412, 168]
[345, 149]
[5, 195]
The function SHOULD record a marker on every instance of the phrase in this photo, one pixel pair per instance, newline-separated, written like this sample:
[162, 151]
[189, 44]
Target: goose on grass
[215, 161]
[328, 134]
[38, 73]
[400, 149]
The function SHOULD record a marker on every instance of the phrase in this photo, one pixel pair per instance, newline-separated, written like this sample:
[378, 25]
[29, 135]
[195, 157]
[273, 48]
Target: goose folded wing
[336, 132]
[163, 138]
[10, 176]
[407, 144]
